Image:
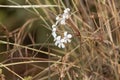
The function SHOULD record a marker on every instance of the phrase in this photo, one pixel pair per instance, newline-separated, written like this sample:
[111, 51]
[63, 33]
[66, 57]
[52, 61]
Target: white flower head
[67, 37]
[54, 34]
[66, 10]
[62, 22]
[65, 16]
[59, 42]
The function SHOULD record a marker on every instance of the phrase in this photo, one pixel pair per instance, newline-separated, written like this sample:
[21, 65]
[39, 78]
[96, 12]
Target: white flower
[59, 42]
[67, 37]
[61, 18]
[57, 18]
[53, 26]
[57, 39]
[66, 10]
[54, 34]
[65, 15]
[54, 30]
[62, 22]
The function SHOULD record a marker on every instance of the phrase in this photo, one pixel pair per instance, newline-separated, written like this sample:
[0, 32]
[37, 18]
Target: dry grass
[94, 53]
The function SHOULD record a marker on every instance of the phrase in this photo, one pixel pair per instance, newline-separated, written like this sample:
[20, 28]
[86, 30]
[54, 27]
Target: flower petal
[68, 9]
[54, 29]
[62, 22]
[54, 34]
[69, 40]
[69, 36]
[62, 45]
[58, 38]
[53, 26]
[65, 33]
[57, 18]
[59, 45]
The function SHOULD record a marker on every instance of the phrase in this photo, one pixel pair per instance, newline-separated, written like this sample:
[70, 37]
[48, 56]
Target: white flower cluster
[59, 40]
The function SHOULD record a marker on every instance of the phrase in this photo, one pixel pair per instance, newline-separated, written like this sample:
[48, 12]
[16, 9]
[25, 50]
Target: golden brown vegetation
[27, 51]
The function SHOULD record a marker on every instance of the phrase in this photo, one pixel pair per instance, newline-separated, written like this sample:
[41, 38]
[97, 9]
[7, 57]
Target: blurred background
[28, 27]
